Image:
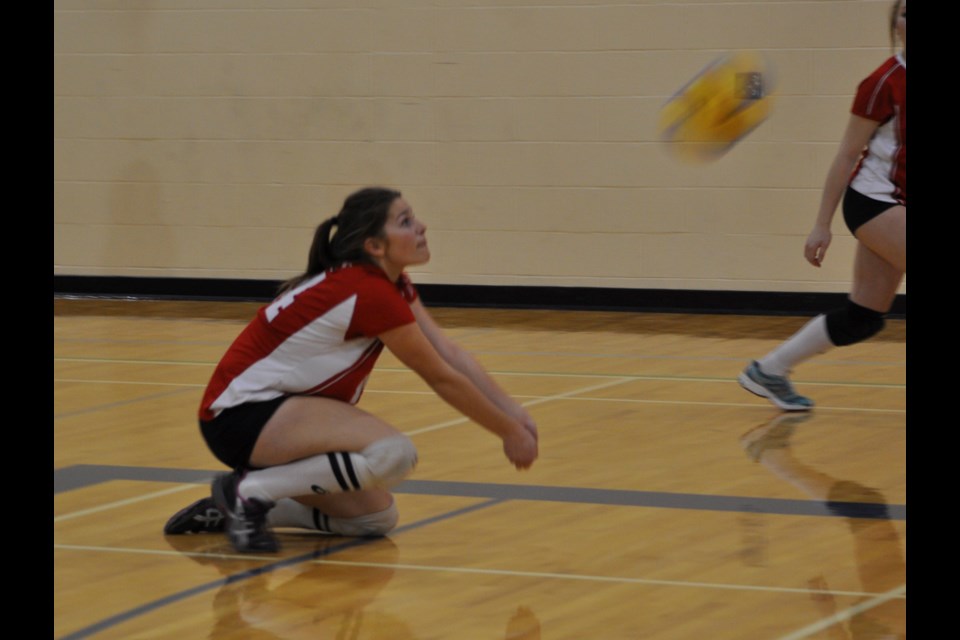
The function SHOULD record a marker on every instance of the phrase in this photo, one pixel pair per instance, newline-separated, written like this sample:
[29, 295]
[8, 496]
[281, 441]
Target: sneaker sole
[180, 525]
[758, 390]
[183, 523]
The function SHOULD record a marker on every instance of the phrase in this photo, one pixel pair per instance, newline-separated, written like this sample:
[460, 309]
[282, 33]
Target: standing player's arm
[409, 344]
[461, 360]
[856, 136]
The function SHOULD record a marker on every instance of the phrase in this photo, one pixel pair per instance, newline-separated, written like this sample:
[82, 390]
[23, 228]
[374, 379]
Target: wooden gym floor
[667, 503]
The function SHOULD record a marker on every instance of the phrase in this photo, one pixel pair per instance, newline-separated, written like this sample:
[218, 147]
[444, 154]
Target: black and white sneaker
[246, 517]
[202, 516]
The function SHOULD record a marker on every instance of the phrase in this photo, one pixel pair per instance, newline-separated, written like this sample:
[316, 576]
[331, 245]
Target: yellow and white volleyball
[718, 107]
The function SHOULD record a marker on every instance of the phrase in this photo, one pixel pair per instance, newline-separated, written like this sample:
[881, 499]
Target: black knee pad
[852, 324]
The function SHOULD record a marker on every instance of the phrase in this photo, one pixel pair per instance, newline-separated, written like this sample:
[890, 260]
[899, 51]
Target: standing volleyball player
[869, 174]
[280, 408]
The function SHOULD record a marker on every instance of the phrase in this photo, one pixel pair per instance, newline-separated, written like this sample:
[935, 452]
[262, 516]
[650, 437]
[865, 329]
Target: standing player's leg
[879, 266]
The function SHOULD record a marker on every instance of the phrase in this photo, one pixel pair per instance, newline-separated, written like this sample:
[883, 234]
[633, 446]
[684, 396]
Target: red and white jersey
[317, 339]
[881, 173]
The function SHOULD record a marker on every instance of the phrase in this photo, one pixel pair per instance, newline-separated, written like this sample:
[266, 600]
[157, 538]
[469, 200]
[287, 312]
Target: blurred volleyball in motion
[718, 107]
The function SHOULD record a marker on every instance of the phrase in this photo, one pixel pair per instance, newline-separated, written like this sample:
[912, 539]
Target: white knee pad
[390, 460]
[371, 524]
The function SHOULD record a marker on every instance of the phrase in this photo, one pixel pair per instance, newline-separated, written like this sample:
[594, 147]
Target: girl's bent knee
[368, 525]
[391, 459]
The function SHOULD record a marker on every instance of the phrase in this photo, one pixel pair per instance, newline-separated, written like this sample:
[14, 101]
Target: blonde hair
[894, 15]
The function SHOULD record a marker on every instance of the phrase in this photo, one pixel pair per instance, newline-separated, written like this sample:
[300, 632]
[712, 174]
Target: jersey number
[286, 299]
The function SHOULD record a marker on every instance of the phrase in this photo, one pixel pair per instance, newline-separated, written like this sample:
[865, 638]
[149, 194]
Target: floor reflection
[877, 547]
[313, 599]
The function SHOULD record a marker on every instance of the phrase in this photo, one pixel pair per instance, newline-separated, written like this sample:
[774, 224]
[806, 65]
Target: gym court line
[493, 494]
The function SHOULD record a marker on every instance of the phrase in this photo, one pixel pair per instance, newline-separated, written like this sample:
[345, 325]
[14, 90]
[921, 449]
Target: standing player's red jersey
[317, 339]
[882, 97]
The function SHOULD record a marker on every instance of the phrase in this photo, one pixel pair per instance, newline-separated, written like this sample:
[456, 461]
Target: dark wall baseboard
[501, 297]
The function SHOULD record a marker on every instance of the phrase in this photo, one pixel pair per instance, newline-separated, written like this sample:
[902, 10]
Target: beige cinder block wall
[207, 138]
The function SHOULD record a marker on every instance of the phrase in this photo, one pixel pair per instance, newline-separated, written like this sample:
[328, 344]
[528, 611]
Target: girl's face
[405, 241]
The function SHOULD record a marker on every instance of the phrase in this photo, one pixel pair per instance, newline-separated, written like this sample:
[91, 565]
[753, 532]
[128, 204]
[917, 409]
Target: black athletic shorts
[858, 209]
[232, 434]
